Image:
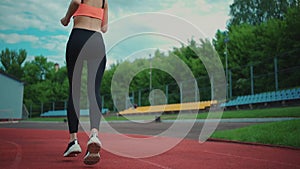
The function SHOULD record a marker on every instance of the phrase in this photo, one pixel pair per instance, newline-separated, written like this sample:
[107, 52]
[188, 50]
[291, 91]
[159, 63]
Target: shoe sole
[93, 156]
[92, 159]
[73, 154]
[93, 148]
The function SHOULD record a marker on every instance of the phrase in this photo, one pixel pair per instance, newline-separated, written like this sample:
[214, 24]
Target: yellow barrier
[169, 107]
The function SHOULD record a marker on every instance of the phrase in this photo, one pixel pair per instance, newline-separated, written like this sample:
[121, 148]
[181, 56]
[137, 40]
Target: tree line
[257, 32]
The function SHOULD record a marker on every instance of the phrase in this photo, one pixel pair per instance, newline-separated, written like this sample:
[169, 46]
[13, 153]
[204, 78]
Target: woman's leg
[75, 54]
[94, 53]
[95, 74]
[74, 102]
[74, 67]
[96, 60]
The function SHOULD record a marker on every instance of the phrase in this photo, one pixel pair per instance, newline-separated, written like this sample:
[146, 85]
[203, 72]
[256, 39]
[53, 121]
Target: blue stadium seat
[297, 93]
[63, 113]
[282, 95]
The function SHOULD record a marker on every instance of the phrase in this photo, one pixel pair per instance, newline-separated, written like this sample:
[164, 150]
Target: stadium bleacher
[168, 108]
[63, 113]
[266, 97]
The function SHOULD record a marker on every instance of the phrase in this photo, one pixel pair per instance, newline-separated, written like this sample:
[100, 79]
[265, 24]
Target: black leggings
[85, 45]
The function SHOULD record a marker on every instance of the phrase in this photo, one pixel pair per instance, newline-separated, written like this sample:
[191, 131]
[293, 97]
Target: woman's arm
[71, 10]
[104, 23]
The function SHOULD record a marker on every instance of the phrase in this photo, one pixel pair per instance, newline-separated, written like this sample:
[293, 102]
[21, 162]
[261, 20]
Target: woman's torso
[86, 22]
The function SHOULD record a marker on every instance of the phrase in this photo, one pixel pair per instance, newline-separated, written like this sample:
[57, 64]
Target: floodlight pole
[150, 88]
[150, 84]
[226, 62]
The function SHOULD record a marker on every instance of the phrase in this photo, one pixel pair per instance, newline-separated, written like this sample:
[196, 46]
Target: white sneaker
[73, 149]
[93, 148]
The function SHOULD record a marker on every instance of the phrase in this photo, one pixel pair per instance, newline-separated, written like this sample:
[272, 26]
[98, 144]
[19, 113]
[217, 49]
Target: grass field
[286, 133]
[258, 113]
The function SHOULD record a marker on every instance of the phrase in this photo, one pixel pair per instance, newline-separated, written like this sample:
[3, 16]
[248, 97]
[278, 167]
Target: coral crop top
[91, 11]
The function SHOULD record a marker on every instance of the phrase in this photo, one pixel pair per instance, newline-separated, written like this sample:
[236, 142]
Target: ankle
[94, 132]
[73, 136]
[71, 140]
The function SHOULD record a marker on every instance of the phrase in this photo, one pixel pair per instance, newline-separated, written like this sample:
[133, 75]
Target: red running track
[42, 149]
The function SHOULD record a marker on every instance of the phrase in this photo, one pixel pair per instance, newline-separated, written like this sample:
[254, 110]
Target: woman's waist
[83, 34]
[83, 22]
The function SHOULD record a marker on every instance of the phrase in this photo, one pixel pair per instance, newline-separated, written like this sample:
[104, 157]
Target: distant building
[11, 97]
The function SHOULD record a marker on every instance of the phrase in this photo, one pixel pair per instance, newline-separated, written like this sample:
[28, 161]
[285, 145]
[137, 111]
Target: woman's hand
[65, 21]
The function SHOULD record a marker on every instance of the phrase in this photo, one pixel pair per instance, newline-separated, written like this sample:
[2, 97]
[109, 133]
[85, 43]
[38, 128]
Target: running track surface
[35, 149]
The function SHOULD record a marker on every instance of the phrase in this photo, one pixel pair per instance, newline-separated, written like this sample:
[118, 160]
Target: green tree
[258, 43]
[38, 70]
[291, 35]
[43, 83]
[254, 12]
[12, 61]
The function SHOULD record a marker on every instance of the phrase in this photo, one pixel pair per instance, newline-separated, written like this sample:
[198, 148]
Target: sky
[136, 27]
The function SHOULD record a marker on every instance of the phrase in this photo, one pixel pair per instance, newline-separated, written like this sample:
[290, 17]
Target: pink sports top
[91, 11]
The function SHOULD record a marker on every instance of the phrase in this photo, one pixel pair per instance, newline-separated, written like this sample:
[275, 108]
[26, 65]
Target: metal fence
[268, 75]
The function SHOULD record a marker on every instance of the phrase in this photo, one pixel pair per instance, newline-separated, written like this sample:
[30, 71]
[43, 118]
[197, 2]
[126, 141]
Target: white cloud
[45, 42]
[110, 62]
[60, 59]
[206, 16]
[57, 45]
[56, 42]
[17, 38]
[203, 5]
[18, 15]
[51, 58]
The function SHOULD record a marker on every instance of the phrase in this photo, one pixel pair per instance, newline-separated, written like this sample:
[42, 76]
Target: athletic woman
[85, 44]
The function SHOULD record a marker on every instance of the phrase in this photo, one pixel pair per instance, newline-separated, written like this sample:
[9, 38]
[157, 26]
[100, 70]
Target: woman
[85, 43]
